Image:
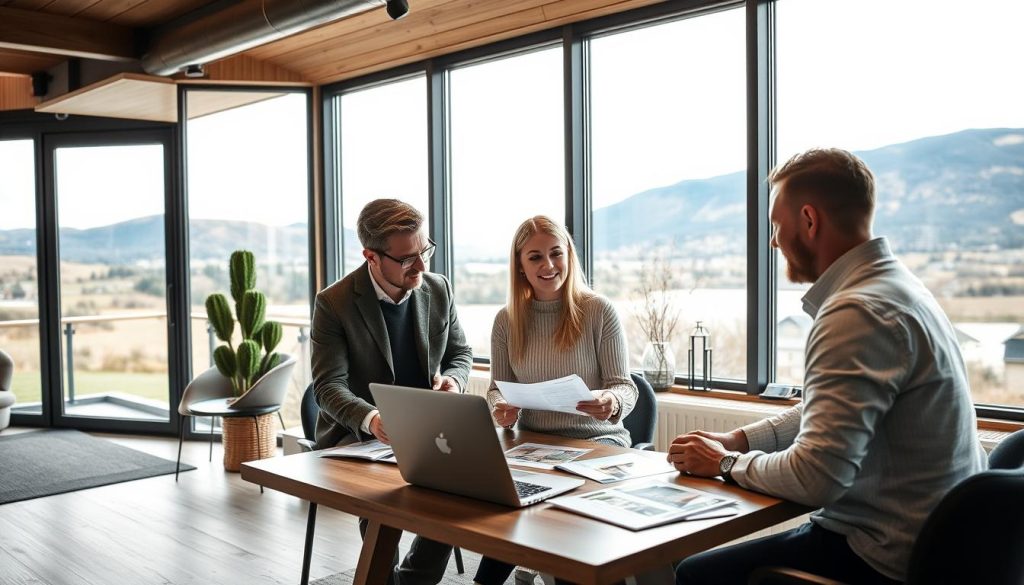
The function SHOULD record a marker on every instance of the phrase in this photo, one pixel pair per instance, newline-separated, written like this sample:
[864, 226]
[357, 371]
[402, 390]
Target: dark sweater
[401, 324]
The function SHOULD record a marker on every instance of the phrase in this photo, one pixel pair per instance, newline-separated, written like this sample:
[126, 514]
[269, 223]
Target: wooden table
[571, 547]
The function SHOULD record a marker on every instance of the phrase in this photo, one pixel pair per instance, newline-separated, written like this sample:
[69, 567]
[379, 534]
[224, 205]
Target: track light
[398, 8]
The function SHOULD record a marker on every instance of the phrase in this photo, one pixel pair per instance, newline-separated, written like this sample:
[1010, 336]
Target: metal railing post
[304, 352]
[69, 332]
[211, 341]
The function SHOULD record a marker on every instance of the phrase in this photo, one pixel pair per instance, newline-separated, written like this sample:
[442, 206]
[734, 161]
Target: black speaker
[40, 83]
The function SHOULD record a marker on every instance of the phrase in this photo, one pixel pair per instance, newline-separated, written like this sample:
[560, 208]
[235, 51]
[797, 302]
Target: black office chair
[1009, 453]
[308, 412]
[974, 535]
[641, 420]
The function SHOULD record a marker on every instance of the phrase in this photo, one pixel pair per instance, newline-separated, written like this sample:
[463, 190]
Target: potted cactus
[249, 380]
[255, 355]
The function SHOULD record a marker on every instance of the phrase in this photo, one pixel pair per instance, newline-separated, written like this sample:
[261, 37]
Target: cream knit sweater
[600, 358]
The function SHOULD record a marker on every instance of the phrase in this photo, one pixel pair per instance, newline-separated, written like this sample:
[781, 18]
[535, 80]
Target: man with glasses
[391, 322]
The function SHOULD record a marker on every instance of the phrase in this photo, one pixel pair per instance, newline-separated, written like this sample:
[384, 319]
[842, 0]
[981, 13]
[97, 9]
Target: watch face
[725, 466]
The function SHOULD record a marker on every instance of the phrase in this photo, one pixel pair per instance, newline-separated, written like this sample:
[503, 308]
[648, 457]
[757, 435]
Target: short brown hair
[835, 179]
[381, 218]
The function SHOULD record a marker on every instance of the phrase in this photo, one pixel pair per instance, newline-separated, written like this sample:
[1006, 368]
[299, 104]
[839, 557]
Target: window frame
[574, 39]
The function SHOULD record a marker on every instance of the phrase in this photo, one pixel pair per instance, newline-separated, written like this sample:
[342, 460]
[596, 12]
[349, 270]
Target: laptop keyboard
[525, 489]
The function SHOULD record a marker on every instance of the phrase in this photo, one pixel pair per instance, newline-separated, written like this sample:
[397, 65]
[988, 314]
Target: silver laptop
[447, 441]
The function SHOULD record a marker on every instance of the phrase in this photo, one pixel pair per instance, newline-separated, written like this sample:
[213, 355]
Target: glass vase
[659, 364]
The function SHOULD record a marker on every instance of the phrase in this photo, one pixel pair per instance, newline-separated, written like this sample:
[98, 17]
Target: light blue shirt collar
[835, 275]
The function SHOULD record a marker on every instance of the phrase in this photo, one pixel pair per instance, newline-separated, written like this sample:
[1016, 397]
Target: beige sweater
[600, 358]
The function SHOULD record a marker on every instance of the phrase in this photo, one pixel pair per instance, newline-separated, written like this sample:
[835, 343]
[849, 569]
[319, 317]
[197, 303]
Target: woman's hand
[602, 407]
[505, 414]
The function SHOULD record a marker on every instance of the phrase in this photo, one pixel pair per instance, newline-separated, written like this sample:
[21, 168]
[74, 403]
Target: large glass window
[931, 99]
[248, 189]
[19, 276]
[383, 144]
[507, 165]
[668, 170]
[112, 280]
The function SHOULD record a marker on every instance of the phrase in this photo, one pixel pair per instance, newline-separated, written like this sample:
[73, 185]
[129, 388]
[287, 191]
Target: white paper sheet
[560, 395]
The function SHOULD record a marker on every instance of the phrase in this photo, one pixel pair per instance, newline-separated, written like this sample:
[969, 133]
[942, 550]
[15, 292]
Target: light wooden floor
[209, 528]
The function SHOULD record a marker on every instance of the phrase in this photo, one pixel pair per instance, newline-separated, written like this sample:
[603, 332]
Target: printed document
[373, 450]
[542, 456]
[617, 467]
[647, 505]
[559, 395]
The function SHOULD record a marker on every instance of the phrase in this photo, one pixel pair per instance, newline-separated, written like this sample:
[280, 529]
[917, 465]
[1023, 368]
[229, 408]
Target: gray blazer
[350, 348]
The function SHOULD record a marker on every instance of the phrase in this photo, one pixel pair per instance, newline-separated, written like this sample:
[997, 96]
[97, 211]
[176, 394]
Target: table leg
[663, 575]
[377, 555]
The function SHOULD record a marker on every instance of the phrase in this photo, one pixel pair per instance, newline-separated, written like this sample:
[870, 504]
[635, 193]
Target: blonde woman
[555, 325]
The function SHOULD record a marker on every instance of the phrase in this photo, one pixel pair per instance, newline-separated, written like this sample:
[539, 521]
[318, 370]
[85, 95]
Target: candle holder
[699, 356]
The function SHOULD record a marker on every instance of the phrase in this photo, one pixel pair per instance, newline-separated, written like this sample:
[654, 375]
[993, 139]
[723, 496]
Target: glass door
[110, 194]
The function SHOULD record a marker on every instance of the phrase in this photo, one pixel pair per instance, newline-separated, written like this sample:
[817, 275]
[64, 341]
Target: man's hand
[377, 428]
[601, 407]
[696, 454]
[735, 440]
[505, 414]
[445, 383]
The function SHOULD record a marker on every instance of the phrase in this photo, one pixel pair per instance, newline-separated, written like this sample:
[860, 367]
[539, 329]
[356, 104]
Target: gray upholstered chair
[6, 393]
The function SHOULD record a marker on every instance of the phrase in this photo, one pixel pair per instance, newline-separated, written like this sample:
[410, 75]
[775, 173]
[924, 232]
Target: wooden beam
[62, 35]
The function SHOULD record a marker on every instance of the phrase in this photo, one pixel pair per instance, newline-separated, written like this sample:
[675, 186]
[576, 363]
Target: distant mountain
[142, 239]
[963, 188]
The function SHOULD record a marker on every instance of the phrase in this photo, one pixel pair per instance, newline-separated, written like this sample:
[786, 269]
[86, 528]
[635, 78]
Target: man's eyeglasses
[408, 261]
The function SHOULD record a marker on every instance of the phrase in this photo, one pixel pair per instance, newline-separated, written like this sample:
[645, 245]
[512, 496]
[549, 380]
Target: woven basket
[242, 443]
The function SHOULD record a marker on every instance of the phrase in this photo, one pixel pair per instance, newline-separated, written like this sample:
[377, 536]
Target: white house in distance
[1013, 358]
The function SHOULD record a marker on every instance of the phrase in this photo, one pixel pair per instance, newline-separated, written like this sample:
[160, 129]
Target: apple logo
[442, 444]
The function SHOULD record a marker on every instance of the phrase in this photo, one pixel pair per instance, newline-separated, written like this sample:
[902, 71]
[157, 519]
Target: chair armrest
[785, 576]
[644, 446]
[306, 445]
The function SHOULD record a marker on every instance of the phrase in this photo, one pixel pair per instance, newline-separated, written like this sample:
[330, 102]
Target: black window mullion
[577, 159]
[439, 165]
[760, 153]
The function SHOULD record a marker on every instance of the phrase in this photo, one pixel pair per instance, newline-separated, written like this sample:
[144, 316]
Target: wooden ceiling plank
[245, 68]
[458, 40]
[152, 12]
[63, 35]
[426, 45]
[429, 24]
[28, 4]
[108, 10]
[338, 31]
[68, 7]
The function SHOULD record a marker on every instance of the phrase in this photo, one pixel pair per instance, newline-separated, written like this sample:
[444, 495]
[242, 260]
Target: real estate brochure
[647, 505]
[617, 467]
[542, 456]
[373, 450]
[560, 395]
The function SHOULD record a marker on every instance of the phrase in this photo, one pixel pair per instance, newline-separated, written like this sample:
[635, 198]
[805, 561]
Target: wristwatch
[725, 467]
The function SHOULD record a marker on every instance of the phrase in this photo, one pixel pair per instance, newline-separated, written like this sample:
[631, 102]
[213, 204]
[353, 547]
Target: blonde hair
[381, 218]
[520, 294]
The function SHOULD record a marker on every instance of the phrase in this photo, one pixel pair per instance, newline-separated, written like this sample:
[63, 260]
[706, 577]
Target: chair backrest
[271, 389]
[975, 533]
[641, 420]
[1009, 453]
[6, 371]
[308, 411]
